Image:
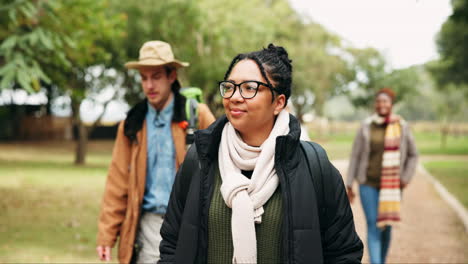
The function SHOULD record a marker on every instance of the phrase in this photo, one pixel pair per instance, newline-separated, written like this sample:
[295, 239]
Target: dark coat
[185, 228]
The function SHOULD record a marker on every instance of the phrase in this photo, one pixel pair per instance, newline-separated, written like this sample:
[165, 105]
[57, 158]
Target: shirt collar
[164, 115]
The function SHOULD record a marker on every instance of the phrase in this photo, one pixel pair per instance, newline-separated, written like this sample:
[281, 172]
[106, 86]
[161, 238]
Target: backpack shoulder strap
[319, 168]
[191, 109]
[191, 165]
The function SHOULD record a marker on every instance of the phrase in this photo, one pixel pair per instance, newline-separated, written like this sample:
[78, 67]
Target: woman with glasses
[244, 193]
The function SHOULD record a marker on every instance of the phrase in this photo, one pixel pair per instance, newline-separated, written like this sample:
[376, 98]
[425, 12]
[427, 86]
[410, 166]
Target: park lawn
[338, 145]
[449, 165]
[50, 206]
[429, 144]
[453, 174]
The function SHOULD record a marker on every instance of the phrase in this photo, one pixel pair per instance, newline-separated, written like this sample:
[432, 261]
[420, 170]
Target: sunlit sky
[404, 30]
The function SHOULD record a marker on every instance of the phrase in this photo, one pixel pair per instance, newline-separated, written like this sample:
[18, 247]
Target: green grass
[453, 174]
[338, 145]
[49, 207]
[429, 144]
[449, 165]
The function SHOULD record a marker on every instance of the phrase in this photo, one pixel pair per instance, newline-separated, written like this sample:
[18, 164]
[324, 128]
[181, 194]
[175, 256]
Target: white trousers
[148, 238]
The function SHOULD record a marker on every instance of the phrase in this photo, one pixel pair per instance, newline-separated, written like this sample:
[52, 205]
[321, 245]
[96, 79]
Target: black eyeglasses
[247, 89]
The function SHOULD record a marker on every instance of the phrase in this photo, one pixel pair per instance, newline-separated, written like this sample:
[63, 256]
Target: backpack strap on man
[194, 96]
[192, 118]
[319, 168]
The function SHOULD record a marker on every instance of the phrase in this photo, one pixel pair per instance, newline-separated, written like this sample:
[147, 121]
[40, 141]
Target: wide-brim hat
[156, 53]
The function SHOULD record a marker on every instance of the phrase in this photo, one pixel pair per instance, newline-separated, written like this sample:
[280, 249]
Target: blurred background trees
[77, 48]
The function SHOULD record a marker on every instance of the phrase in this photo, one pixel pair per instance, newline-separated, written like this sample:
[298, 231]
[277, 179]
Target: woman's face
[383, 104]
[255, 115]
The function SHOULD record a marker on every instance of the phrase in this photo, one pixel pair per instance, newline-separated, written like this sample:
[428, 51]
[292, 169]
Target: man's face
[156, 83]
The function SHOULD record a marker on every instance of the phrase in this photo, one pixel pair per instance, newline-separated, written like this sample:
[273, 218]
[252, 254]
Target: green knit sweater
[220, 248]
[374, 169]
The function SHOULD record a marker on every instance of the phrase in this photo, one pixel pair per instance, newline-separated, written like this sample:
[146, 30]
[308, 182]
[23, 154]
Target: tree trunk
[319, 105]
[49, 98]
[319, 115]
[81, 144]
[443, 134]
[81, 139]
[300, 112]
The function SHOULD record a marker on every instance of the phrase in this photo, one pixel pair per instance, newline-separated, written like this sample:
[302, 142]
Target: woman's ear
[279, 103]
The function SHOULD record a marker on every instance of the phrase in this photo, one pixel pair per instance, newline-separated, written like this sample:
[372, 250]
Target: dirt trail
[430, 231]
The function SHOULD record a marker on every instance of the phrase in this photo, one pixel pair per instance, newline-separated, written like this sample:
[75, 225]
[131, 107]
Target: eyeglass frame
[240, 90]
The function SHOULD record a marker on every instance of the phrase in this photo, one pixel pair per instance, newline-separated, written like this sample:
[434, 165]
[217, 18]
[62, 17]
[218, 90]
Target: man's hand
[351, 195]
[104, 253]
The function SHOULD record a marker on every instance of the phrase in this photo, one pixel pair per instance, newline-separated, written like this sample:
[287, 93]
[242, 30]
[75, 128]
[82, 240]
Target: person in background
[149, 148]
[383, 161]
[244, 193]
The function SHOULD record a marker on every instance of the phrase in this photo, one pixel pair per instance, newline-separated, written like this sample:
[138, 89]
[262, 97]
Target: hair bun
[281, 53]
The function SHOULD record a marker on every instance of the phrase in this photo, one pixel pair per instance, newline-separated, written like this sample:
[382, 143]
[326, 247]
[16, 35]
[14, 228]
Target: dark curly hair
[388, 91]
[274, 64]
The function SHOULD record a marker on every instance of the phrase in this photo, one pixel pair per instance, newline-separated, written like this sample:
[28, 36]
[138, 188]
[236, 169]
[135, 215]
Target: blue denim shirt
[160, 172]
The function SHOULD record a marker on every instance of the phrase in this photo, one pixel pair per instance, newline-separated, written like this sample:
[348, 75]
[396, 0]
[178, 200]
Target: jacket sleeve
[411, 161]
[173, 218]
[340, 242]
[355, 159]
[205, 117]
[114, 202]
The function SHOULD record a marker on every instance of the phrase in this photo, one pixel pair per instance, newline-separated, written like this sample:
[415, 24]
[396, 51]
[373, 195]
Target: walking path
[430, 231]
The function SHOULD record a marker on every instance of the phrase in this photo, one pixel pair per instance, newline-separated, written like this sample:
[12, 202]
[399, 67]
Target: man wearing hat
[148, 150]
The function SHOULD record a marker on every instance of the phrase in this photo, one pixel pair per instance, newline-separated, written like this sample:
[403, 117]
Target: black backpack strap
[191, 165]
[319, 168]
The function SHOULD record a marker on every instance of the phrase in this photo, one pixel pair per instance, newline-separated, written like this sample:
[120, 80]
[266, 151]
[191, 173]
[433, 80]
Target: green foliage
[319, 69]
[452, 42]
[422, 104]
[206, 33]
[209, 33]
[29, 37]
[372, 73]
[56, 41]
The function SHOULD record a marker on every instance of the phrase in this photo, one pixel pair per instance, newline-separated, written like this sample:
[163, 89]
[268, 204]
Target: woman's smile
[236, 112]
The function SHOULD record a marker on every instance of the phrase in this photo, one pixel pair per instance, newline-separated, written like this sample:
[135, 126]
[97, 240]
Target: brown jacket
[359, 160]
[125, 186]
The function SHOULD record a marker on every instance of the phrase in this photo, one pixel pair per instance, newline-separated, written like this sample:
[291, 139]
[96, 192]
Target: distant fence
[324, 127]
[455, 129]
[44, 128]
[57, 128]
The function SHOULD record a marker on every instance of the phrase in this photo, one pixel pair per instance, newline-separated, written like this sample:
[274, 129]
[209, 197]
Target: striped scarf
[390, 193]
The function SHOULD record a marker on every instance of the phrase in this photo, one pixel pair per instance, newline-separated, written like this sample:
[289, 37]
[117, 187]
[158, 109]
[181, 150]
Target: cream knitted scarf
[246, 196]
